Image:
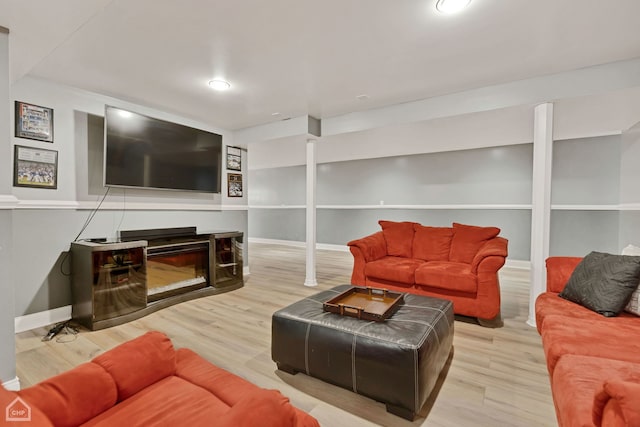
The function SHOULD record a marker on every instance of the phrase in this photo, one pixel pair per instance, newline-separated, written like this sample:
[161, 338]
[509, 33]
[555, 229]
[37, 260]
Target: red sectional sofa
[145, 382]
[459, 263]
[593, 361]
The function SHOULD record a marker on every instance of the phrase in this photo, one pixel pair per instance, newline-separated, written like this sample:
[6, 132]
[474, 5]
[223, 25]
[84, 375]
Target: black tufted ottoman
[396, 362]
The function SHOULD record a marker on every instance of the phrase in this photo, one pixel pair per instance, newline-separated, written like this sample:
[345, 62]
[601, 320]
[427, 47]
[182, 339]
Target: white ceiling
[299, 57]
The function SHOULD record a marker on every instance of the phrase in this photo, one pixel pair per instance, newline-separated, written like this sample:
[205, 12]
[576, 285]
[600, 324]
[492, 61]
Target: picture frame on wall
[234, 158]
[33, 122]
[35, 167]
[234, 185]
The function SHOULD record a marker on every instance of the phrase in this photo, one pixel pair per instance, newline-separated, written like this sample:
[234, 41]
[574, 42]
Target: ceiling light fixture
[451, 6]
[218, 84]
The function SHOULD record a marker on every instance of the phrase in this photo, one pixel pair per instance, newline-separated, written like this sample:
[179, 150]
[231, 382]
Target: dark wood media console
[146, 270]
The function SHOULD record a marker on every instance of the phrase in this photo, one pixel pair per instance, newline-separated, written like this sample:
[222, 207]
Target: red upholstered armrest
[559, 269]
[496, 247]
[138, 363]
[372, 247]
[617, 404]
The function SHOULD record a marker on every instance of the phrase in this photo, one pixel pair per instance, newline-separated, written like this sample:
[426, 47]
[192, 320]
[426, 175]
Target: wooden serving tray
[365, 303]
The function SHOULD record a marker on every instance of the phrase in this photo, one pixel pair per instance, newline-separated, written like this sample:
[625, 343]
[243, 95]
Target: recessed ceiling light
[218, 84]
[451, 6]
[276, 114]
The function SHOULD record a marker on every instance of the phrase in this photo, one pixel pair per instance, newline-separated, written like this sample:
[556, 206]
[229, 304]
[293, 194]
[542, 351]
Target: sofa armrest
[364, 250]
[559, 270]
[496, 247]
[617, 404]
[372, 247]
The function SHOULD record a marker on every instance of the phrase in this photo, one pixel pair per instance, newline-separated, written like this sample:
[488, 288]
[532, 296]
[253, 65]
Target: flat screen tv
[145, 152]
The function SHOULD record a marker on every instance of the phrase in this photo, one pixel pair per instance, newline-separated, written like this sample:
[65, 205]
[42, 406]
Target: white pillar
[310, 279]
[540, 202]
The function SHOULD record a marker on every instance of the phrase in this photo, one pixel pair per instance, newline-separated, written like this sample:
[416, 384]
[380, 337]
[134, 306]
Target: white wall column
[310, 279]
[7, 302]
[540, 202]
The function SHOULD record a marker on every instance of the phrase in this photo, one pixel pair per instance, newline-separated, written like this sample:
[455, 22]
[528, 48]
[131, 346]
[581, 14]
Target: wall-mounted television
[144, 152]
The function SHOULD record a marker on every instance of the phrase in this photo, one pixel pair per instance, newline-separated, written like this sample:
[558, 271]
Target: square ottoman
[396, 362]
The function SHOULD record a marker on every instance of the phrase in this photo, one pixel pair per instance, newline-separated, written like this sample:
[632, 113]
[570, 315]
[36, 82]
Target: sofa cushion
[264, 408]
[399, 237]
[550, 304]
[563, 335]
[75, 396]
[171, 401]
[432, 243]
[467, 240]
[394, 269]
[139, 363]
[452, 276]
[578, 379]
[603, 282]
[617, 404]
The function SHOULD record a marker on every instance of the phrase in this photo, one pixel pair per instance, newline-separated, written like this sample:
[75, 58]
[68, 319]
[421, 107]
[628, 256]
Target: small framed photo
[234, 185]
[35, 167]
[34, 122]
[234, 158]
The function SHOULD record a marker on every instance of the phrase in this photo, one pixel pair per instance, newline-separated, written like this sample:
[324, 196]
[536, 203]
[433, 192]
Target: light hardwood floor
[496, 377]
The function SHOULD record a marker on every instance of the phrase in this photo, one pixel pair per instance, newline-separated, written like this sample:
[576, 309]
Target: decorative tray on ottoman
[365, 303]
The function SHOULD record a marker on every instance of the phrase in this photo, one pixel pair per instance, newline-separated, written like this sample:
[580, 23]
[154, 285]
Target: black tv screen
[145, 152]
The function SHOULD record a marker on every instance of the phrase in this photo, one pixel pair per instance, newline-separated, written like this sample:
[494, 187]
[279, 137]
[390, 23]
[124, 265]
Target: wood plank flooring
[496, 377]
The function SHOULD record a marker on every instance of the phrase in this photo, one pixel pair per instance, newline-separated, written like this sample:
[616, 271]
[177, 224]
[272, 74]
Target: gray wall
[578, 232]
[495, 175]
[414, 183]
[629, 187]
[586, 171]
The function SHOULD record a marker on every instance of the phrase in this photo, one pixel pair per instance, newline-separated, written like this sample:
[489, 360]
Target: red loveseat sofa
[593, 361]
[459, 263]
[145, 382]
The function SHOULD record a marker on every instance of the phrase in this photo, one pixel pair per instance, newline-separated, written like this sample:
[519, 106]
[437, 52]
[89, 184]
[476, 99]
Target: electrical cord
[124, 208]
[92, 214]
[84, 226]
[62, 330]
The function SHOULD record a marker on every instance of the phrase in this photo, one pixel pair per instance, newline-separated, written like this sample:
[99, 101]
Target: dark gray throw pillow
[603, 282]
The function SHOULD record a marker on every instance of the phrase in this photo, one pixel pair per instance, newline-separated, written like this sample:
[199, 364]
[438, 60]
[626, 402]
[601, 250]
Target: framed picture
[234, 158]
[234, 185]
[35, 167]
[34, 122]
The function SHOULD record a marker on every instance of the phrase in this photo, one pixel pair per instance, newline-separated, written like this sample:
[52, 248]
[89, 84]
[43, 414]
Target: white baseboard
[42, 318]
[510, 263]
[518, 264]
[277, 242]
[13, 385]
[323, 246]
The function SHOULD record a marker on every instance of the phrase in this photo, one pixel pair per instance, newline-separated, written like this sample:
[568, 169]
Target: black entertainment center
[114, 282]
